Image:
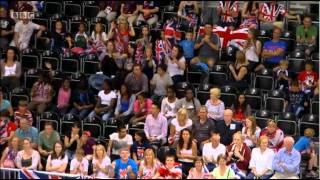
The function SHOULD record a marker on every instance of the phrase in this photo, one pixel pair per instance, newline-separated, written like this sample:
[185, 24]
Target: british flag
[163, 49]
[171, 30]
[228, 7]
[271, 11]
[228, 36]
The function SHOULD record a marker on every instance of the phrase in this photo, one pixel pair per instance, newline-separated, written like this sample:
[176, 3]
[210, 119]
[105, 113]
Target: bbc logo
[22, 15]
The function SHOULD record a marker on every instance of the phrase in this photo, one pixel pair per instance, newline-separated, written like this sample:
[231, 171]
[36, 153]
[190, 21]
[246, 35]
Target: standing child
[188, 46]
[308, 78]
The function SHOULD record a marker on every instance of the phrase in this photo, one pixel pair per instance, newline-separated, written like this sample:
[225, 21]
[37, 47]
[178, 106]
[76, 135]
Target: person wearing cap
[23, 112]
[125, 167]
[87, 143]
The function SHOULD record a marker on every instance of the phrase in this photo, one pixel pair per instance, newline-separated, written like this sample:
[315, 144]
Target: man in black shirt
[6, 28]
[227, 127]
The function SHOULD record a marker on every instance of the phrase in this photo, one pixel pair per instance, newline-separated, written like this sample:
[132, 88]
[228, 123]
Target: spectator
[188, 45]
[98, 40]
[23, 31]
[228, 12]
[271, 12]
[168, 104]
[177, 124]
[136, 80]
[41, 94]
[252, 49]
[215, 105]
[251, 132]
[241, 109]
[72, 139]
[129, 11]
[306, 35]
[124, 108]
[105, 106]
[212, 150]
[156, 126]
[139, 146]
[223, 171]
[199, 171]
[10, 70]
[82, 98]
[7, 127]
[23, 112]
[5, 105]
[141, 108]
[79, 164]
[47, 140]
[191, 103]
[27, 158]
[58, 36]
[186, 150]
[170, 170]
[240, 72]
[239, 155]
[208, 45]
[6, 28]
[202, 128]
[228, 127]
[188, 12]
[125, 167]
[109, 65]
[64, 97]
[69, 42]
[296, 101]
[148, 12]
[109, 10]
[273, 50]
[286, 162]
[148, 63]
[274, 134]
[261, 160]
[101, 162]
[130, 58]
[87, 143]
[81, 39]
[308, 78]
[118, 141]
[10, 153]
[306, 147]
[250, 13]
[145, 41]
[27, 131]
[209, 13]
[149, 165]
[57, 161]
[160, 82]
[176, 64]
[282, 75]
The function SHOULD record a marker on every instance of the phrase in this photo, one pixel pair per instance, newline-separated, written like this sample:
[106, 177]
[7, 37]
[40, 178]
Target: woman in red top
[241, 109]
[171, 170]
[239, 155]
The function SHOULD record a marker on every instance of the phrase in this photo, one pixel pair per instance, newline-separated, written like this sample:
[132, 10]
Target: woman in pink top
[64, 96]
[141, 108]
[199, 171]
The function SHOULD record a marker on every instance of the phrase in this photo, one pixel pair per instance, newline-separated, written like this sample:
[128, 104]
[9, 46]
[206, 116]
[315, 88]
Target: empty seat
[296, 61]
[218, 76]
[71, 9]
[70, 63]
[228, 95]
[315, 105]
[264, 80]
[203, 93]
[94, 128]
[51, 8]
[90, 11]
[262, 118]
[51, 57]
[287, 123]
[181, 88]
[194, 77]
[254, 98]
[275, 101]
[90, 64]
[17, 95]
[29, 59]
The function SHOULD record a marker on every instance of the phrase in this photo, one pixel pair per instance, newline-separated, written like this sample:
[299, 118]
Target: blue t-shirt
[139, 149]
[302, 144]
[121, 169]
[270, 45]
[4, 105]
[188, 48]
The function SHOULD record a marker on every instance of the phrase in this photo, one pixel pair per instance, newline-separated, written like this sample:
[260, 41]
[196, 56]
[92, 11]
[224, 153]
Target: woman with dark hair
[252, 49]
[241, 109]
[57, 160]
[10, 70]
[58, 36]
[176, 64]
[141, 108]
[186, 150]
[251, 132]
[27, 158]
[145, 41]
[98, 39]
[250, 13]
[72, 139]
[108, 65]
[64, 96]
[239, 71]
[124, 108]
[191, 103]
[139, 146]
[168, 104]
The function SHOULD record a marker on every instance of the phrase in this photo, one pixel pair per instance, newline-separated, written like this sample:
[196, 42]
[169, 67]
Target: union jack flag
[270, 11]
[229, 37]
[163, 49]
[228, 7]
[171, 31]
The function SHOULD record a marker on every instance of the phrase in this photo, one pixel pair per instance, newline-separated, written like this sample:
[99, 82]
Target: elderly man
[227, 127]
[286, 163]
[27, 131]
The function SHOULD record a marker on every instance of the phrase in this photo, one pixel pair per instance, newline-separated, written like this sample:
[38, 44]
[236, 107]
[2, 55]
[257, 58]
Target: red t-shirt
[308, 78]
[11, 127]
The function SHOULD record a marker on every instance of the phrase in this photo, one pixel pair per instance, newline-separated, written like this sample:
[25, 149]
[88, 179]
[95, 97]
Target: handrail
[46, 172]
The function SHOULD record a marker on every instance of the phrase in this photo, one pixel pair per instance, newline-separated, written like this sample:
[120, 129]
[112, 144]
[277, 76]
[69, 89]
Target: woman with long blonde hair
[179, 123]
[101, 162]
[149, 165]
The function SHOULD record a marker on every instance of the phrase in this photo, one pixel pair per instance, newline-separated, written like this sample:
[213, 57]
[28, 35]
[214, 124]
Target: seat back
[70, 65]
[72, 9]
[265, 83]
[288, 127]
[90, 11]
[94, 128]
[52, 8]
[203, 96]
[262, 118]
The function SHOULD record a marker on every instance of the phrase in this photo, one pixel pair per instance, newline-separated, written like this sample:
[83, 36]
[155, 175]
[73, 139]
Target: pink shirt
[63, 97]
[147, 108]
[42, 92]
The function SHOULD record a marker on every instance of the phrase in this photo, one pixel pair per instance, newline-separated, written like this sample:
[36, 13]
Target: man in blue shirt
[273, 50]
[27, 131]
[125, 167]
[286, 163]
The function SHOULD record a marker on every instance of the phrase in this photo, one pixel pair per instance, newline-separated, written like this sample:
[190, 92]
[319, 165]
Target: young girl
[139, 146]
[149, 165]
[171, 170]
[58, 36]
[81, 37]
[57, 160]
[98, 40]
[79, 164]
[64, 95]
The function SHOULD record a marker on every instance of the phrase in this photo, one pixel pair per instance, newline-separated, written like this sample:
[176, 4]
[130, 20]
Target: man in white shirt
[212, 150]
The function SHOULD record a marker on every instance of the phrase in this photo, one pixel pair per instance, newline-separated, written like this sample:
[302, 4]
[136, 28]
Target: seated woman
[275, 135]
[251, 132]
[141, 108]
[79, 164]
[72, 139]
[188, 12]
[171, 169]
[250, 13]
[149, 165]
[252, 49]
[148, 12]
[101, 162]
[215, 105]
[241, 109]
[10, 153]
[199, 171]
[10, 70]
[57, 161]
[98, 39]
[239, 155]
[177, 124]
[239, 71]
[168, 104]
[64, 97]
[124, 108]
[139, 146]
[223, 171]
[176, 64]
[28, 158]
